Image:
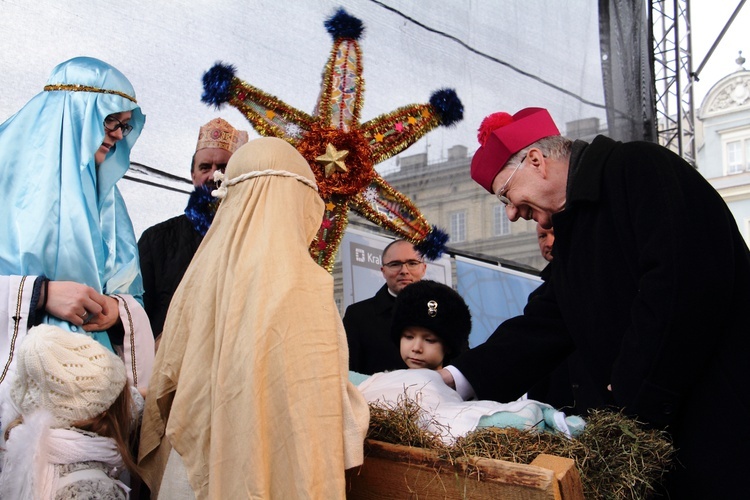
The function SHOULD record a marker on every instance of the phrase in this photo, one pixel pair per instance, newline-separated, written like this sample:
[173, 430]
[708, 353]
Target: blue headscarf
[62, 216]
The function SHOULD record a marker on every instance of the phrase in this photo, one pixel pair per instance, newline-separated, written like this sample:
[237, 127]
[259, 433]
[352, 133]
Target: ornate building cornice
[730, 94]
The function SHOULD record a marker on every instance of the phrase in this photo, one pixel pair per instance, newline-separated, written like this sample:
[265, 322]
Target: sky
[708, 18]
[483, 49]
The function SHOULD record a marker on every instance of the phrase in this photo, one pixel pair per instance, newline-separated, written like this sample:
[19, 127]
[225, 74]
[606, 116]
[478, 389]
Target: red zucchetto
[502, 135]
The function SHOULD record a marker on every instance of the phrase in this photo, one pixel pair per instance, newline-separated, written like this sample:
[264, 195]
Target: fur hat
[70, 375]
[502, 135]
[219, 133]
[438, 308]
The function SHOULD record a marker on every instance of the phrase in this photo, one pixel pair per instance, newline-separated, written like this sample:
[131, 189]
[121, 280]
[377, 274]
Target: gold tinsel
[256, 105]
[394, 141]
[335, 121]
[360, 172]
[70, 87]
[340, 52]
[327, 240]
[406, 218]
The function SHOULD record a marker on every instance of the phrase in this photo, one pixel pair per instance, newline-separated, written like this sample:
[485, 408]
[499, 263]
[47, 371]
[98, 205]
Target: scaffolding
[673, 76]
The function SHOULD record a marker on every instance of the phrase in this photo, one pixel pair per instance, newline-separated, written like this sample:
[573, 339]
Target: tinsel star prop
[341, 151]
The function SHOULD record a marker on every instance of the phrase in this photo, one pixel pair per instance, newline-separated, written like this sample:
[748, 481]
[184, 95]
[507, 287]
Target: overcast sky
[410, 49]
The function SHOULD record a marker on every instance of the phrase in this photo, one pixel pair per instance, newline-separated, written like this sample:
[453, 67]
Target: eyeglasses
[112, 124]
[501, 193]
[396, 265]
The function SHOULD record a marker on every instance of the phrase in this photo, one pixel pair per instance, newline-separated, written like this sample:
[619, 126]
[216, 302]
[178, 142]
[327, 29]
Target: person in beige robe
[250, 388]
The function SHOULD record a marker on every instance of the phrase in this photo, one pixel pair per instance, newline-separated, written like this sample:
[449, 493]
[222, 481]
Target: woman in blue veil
[68, 254]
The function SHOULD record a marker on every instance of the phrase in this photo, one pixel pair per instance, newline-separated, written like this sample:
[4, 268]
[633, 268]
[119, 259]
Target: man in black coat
[560, 387]
[649, 284]
[368, 322]
[167, 248]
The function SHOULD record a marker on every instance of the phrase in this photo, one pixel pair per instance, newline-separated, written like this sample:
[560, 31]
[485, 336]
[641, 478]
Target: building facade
[477, 223]
[723, 140]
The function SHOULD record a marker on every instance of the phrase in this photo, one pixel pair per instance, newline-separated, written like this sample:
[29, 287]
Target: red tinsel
[358, 161]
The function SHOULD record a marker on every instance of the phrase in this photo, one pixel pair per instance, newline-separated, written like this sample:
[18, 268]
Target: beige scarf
[250, 382]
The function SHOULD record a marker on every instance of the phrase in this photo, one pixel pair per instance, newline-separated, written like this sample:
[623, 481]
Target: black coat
[651, 285]
[368, 332]
[166, 250]
[568, 384]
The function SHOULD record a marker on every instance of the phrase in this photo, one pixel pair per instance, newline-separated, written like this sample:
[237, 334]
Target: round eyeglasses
[112, 124]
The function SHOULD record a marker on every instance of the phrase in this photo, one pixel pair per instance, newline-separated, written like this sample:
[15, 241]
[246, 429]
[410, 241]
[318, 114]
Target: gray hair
[555, 147]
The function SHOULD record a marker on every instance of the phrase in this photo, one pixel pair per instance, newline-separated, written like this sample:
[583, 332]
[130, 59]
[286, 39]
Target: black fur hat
[438, 308]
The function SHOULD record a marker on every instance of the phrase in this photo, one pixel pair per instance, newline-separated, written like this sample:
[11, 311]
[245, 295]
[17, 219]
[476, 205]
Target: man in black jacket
[564, 387]
[167, 248]
[368, 322]
[650, 284]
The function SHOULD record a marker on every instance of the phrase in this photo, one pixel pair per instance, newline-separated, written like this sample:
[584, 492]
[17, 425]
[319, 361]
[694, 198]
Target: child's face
[420, 348]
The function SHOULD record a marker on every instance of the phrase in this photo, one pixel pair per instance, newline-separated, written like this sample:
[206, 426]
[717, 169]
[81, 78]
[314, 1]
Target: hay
[623, 459]
[399, 423]
[616, 456]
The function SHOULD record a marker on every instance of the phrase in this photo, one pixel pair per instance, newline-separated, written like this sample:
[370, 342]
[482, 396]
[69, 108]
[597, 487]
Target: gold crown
[219, 133]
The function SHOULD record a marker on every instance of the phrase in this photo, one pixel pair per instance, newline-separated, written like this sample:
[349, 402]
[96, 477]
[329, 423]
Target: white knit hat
[70, 375]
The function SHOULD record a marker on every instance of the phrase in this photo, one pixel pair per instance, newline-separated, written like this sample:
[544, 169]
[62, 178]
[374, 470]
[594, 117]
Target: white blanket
[448, 416]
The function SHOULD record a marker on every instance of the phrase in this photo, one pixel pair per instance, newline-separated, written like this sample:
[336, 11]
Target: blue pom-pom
[448, 105]
[201, 209]
[343, 25]
[433, 246]
[216, 84]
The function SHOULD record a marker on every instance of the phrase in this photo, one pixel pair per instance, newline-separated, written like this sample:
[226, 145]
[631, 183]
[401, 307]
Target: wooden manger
[398, 472]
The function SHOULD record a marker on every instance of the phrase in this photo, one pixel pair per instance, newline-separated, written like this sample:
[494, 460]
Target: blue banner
[493, 294]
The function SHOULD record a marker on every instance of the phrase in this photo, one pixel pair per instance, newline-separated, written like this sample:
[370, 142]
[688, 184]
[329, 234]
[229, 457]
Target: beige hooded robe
[250, 383]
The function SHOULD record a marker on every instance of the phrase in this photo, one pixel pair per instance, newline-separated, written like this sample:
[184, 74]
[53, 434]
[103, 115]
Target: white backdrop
[478, 47]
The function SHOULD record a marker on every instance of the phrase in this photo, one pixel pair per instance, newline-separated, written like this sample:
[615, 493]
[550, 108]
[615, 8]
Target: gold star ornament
[333, 160]
[334, 133]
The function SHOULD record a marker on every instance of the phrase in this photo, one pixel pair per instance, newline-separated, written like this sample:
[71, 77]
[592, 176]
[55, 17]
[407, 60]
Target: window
[735, 162]
[736, 152]
[501, 222]
[339, 301]
[458, 227]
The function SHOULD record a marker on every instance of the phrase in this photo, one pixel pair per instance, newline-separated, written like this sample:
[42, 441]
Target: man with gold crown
[167, 248]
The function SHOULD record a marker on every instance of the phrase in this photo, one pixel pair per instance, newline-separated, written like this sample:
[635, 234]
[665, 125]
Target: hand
[447, 378]
[73, 302]
[107, 318]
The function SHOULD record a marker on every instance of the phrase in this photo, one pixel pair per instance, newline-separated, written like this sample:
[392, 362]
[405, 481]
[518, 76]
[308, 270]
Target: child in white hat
[70, 437]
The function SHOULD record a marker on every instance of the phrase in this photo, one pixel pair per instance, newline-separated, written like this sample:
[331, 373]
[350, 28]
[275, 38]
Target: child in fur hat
[431, 324]
[73, 409]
